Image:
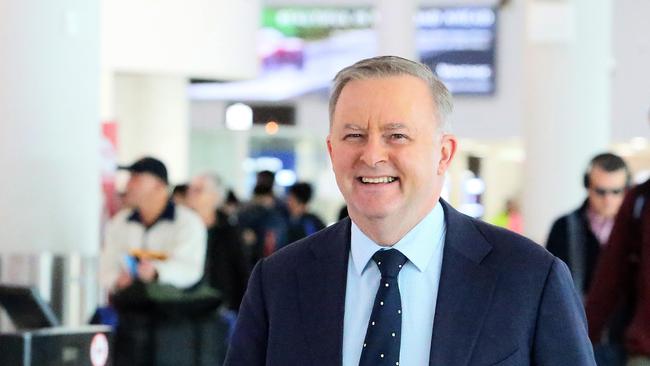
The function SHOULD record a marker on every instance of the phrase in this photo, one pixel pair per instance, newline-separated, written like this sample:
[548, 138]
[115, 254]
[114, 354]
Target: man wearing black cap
[171, 237]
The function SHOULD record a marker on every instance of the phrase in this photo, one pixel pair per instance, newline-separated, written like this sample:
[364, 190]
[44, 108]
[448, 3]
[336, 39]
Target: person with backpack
[578, 237]
[302, 223]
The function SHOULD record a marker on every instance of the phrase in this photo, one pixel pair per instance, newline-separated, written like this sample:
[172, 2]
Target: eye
[398, 136]
[352, 136]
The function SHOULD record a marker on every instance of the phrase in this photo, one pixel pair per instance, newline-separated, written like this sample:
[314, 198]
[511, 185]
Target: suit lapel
[322, 282]
[464, 294]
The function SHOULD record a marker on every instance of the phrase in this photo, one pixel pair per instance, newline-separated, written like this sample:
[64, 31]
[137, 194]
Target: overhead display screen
[300, 50]
[459, 46]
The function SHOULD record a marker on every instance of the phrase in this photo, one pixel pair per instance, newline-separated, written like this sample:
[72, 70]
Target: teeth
[378, 180]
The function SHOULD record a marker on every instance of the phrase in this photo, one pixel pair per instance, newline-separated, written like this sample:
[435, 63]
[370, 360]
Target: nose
[374, 151]
[611, 199]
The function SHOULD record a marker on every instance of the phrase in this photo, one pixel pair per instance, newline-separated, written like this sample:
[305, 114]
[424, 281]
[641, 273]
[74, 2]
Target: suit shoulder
[511, 247]
[321, 242]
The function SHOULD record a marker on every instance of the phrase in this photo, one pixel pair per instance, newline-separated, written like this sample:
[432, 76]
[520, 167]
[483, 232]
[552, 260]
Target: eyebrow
[351, 126]
[395, 126]
[388, 127]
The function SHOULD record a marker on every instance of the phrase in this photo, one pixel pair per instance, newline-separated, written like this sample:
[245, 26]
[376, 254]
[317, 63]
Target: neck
[597, 214]
[264, 200]
[387, 231]
[209, 216]
[153, 208]
[298, 212]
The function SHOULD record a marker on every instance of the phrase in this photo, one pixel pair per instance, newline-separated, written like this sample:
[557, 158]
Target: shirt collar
[417, 245]
[168, 214]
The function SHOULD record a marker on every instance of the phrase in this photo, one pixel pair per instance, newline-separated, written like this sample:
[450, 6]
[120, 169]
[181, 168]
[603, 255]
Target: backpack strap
[576, 239]
[639, 204]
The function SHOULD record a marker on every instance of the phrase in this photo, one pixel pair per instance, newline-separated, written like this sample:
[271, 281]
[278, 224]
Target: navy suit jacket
[503, 300]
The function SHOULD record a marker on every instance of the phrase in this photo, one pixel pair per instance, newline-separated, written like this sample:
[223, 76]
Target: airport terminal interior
[234, 88]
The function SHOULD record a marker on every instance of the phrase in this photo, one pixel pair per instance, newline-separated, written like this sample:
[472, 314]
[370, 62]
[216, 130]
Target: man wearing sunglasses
[577, 238]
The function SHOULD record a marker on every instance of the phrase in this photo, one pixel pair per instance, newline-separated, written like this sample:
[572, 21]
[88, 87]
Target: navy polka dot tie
[381, 346]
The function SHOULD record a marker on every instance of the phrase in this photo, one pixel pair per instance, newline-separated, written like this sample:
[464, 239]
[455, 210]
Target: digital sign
[302, 48]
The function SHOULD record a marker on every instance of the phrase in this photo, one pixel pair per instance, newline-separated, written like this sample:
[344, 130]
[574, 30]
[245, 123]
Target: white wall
[152, 114]
[198, 38]
[631, 83]
[49, 127]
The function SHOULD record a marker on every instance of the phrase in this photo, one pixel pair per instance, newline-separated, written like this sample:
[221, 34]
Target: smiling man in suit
[406, 280]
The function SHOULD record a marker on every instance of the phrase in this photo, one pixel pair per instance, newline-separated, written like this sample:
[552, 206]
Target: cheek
[617, 200]
[343, 160]
[422, 165]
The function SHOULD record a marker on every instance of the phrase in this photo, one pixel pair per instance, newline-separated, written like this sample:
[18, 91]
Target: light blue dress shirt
[418, 283]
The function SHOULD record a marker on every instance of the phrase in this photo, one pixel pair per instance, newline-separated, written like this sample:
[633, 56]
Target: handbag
[166, 300]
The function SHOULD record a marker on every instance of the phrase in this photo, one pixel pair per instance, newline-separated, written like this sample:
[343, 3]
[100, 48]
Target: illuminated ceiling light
[639, 143]
[285, 177]
[239, 117]
[268, 163]
[475, 186]
[272, 127]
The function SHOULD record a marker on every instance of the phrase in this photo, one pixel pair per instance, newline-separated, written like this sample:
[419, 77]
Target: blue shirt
[418, 283]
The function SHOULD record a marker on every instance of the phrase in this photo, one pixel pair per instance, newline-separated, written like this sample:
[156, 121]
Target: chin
[375, 213]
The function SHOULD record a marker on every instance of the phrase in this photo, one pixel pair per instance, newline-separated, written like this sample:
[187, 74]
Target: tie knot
[390, 262]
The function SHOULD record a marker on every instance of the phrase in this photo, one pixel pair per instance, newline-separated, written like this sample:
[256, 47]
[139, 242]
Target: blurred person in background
[265, 181]
[152, 224]
[510, 218]
[225, 267]
[263, 223]
[179, 194]
[302, 223]
[579, 237]
[623, 274]
[231, 206]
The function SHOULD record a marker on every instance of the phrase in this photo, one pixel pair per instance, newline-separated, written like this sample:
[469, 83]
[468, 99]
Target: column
[567, 104]
[395, 27]
[152, 113]
[49, 134]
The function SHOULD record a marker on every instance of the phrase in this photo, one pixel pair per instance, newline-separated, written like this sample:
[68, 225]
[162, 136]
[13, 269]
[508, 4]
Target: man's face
[201, 196]
[606, 191]
[388, 156]
[293, 205]
[139, 188]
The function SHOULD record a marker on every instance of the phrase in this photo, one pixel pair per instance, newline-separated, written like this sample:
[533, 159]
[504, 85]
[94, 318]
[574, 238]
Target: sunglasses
[603, 192]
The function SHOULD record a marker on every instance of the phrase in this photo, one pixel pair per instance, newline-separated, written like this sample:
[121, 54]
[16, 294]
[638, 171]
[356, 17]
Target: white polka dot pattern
[382, 342]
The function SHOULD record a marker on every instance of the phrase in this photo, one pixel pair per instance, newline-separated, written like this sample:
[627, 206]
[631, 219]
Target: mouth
[377, 180]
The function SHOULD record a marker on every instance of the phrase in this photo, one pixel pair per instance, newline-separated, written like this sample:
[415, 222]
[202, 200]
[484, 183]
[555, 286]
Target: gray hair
[215, 184]
[385, 66]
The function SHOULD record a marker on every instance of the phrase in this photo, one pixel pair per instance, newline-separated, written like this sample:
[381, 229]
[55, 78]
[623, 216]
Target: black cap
[149, 165]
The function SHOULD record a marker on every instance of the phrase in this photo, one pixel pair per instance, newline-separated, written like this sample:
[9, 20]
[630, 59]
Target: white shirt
[418, 283]
[179, 232]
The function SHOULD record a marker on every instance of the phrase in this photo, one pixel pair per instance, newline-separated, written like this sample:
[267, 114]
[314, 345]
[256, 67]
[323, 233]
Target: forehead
[142, 176]
[392, 97]
[601, 177]
[198, 182]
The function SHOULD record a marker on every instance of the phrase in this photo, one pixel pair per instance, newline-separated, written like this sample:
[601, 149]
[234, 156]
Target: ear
[329, 145]
[448, 146]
